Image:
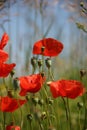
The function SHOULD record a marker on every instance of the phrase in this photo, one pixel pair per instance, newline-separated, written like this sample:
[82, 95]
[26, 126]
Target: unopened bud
[34, 61]
[10, 93]
[81, 4]
[30, 117]
[40, 62]
[41, 102]
[35, 100]
[49, 101]
[16, 83]
[48, 62]
[80, 105]
[12, 73]
[43, 115]
[83, 73]
[27, 97]
[42, 74]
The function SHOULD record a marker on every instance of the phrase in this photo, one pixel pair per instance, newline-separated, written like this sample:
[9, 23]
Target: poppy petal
[4, 40]
[9, 104]
[52, 47]
[32, 83]
[5, 69]
[67, 88]
[3, 56]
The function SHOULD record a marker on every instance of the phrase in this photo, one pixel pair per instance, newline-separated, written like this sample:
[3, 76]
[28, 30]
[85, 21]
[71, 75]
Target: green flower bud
[27, 97]
[12, 73]
[80, 105]
[16, 83]
[48, 62]
[35, 100]
[40, 62]
[49, 101]
[30, 117]
[42, 74]
[34, 61]
[43, 115]
[81, 4]
[83, 73]
[41, 102]
[10, 93]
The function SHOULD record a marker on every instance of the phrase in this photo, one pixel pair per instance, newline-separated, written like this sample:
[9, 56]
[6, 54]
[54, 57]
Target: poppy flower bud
[16, 83]
[43, 115]
[42, 49]
[10, 93]
[40, 62]
[83, 73]
[81, 4]
[33, 61]
[30, 117]
[80, 105]
[27, 97]
[49, 101]
[35, 100]
[12, 73]
[48, 62]
[41, 102]
[42, 74]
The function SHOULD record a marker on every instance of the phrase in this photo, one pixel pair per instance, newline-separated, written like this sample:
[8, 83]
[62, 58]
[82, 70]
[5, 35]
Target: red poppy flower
[52, 47]
[5, 69]
[31, 83]
[66, 88]
[12, 127]
[4, 40]
[8, 104]
[3, 56]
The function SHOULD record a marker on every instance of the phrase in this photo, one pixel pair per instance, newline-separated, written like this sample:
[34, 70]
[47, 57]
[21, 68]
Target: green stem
[50, 74]
[3, 120]
[66, 110]
[79, 120]
[69, 113]
[5, 85]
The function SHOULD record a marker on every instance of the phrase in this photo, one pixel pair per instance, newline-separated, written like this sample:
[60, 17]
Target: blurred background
[27, 21]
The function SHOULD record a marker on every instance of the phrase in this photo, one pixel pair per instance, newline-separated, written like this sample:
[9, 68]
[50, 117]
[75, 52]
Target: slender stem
[42, 63]
[79, 120]
[5, 85]
[50, 74]
[69, 113]
[66, 110]
[3, 120]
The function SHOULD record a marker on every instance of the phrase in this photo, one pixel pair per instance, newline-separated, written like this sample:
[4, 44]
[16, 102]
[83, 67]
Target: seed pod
[80, 105]
[12, 73]
[16, 83]
[35, 100]
[83, 73]
[48, 62]
[81, 4]
[49, 101]
[10, 93]
[43, 115]
[41, 102]
[40, 63]
[33, 61]
[30, 117]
